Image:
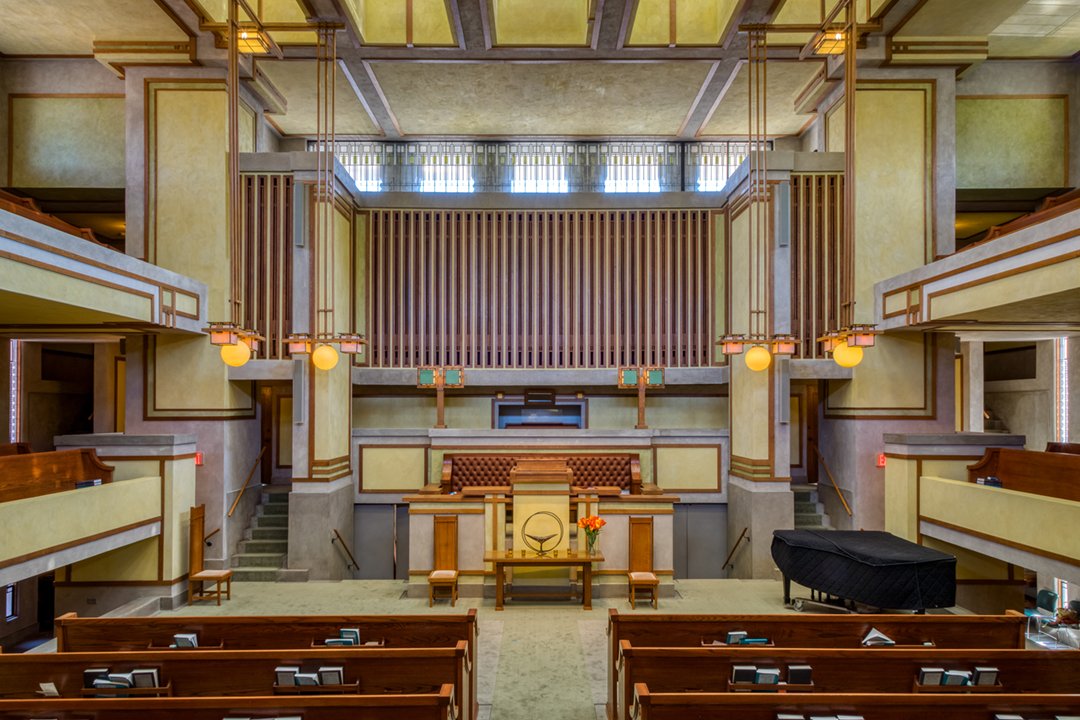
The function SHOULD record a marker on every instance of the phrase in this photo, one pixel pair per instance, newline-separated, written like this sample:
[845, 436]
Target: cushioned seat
[643, 577]
[640, 573]
[442, 575]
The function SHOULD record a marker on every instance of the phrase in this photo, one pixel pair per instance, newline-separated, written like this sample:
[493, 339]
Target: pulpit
[541, 512]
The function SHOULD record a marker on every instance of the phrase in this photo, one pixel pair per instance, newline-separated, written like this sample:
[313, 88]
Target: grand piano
[869, 567]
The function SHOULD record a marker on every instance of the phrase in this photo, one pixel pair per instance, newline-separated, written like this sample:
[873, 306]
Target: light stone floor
[539, 659]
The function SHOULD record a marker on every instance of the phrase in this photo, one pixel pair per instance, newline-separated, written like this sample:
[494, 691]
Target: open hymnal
[48, 689]
[876, 637]
[352, 633]
[286, 674]
[122, 679]
[185, 640]
[735, 637]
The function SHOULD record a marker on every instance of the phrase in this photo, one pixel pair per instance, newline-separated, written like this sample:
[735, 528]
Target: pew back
[806, 630]
[28, 475]
[427, 706]
[865, 670]
[703, 706]
[1051, 474]
[375, 671]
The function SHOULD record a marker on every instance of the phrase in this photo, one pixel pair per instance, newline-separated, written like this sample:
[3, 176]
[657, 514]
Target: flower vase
[591, 541]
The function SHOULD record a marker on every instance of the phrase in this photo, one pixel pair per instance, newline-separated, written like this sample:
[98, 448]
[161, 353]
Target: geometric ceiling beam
[470, 17]
[548, 54]
[898, 14]
[609, 26]
[710, 95]
[371, 96]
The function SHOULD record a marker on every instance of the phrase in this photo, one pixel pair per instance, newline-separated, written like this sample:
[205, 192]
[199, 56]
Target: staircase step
[275, 498]
[274, 509]
[292, 575]
[267, 560]
[271, 521]
[269, 533]
[811, 527]
[254, 574]
[806, 507]
[807, 518]
[264, 546]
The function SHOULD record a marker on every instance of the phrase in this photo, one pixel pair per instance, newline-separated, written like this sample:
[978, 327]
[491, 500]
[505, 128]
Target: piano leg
[787, 590]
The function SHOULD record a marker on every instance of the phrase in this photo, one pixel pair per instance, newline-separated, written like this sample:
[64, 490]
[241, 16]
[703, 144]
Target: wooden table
[501, 561]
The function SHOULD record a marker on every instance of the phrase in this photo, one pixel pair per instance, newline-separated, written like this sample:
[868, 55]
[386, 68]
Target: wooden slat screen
[540, 289]
[266, 233]
[817, 217]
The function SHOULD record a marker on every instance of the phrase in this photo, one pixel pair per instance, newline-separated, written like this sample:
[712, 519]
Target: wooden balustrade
[1052, 474]
[541, 289]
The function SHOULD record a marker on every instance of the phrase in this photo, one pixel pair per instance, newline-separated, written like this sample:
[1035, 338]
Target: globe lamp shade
[847, 356]
[236, 354]
[758, 358]
[325, 357]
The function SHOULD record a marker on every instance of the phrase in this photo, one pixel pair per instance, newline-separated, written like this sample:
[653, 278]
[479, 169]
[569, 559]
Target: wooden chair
[444, 572]
[640, 570]
[196, 572]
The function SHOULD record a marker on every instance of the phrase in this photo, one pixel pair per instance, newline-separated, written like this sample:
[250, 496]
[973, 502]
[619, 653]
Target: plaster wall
[1027, 406]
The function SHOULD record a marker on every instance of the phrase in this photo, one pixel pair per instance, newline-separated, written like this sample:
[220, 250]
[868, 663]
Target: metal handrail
[345, 548]
[734, 548]
[829, 474]
[206, 539]
[247, 482]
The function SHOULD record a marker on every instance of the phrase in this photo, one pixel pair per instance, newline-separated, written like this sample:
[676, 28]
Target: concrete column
[973, 378]
[759, 491]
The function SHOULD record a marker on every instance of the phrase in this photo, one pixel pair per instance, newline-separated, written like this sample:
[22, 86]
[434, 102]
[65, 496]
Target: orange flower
[591, 523]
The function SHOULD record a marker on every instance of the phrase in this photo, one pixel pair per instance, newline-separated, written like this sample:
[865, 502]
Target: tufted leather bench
[493, 470]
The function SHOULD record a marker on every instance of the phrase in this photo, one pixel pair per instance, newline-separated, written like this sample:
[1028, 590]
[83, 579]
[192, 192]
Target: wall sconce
[862, 335]
[732, 344]
[251, 41]
[298, 343]
[783, 344]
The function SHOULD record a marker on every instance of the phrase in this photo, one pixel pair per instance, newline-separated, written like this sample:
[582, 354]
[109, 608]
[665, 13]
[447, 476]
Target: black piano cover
[874, 568]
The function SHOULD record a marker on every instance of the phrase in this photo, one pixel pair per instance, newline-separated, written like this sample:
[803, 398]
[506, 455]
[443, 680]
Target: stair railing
[337, 538]
[206, 539]
[828, 473]
[254, 467]
[735, 547]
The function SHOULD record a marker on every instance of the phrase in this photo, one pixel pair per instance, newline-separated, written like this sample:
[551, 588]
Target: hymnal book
[711, 643]
[306, 678]
[92, 674]
[743, 673]
[754, 641]
[353, 633]
[186, 640]
[876, 637]
[88, 483]
[767, 676]
[822, 717]
[286, 674]
[340, 641]
[985, 676]
[373, 643]
[106, 684]
[48, 689]
[849, 717]
[799, 675]
[123, 679]
[331, 675]
[956, 677]
[790, 716]
[1000, 716]
[145, 677]
[931, 675]
[735, 637]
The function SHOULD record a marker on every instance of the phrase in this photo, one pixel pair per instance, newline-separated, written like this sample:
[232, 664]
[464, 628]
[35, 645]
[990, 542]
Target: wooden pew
[20, 448]
[367, 671]
[865, 670]
[427, 706]
[267, 632]
[1051, 474]
[725, 706]
[805, 630]
[27, 475]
